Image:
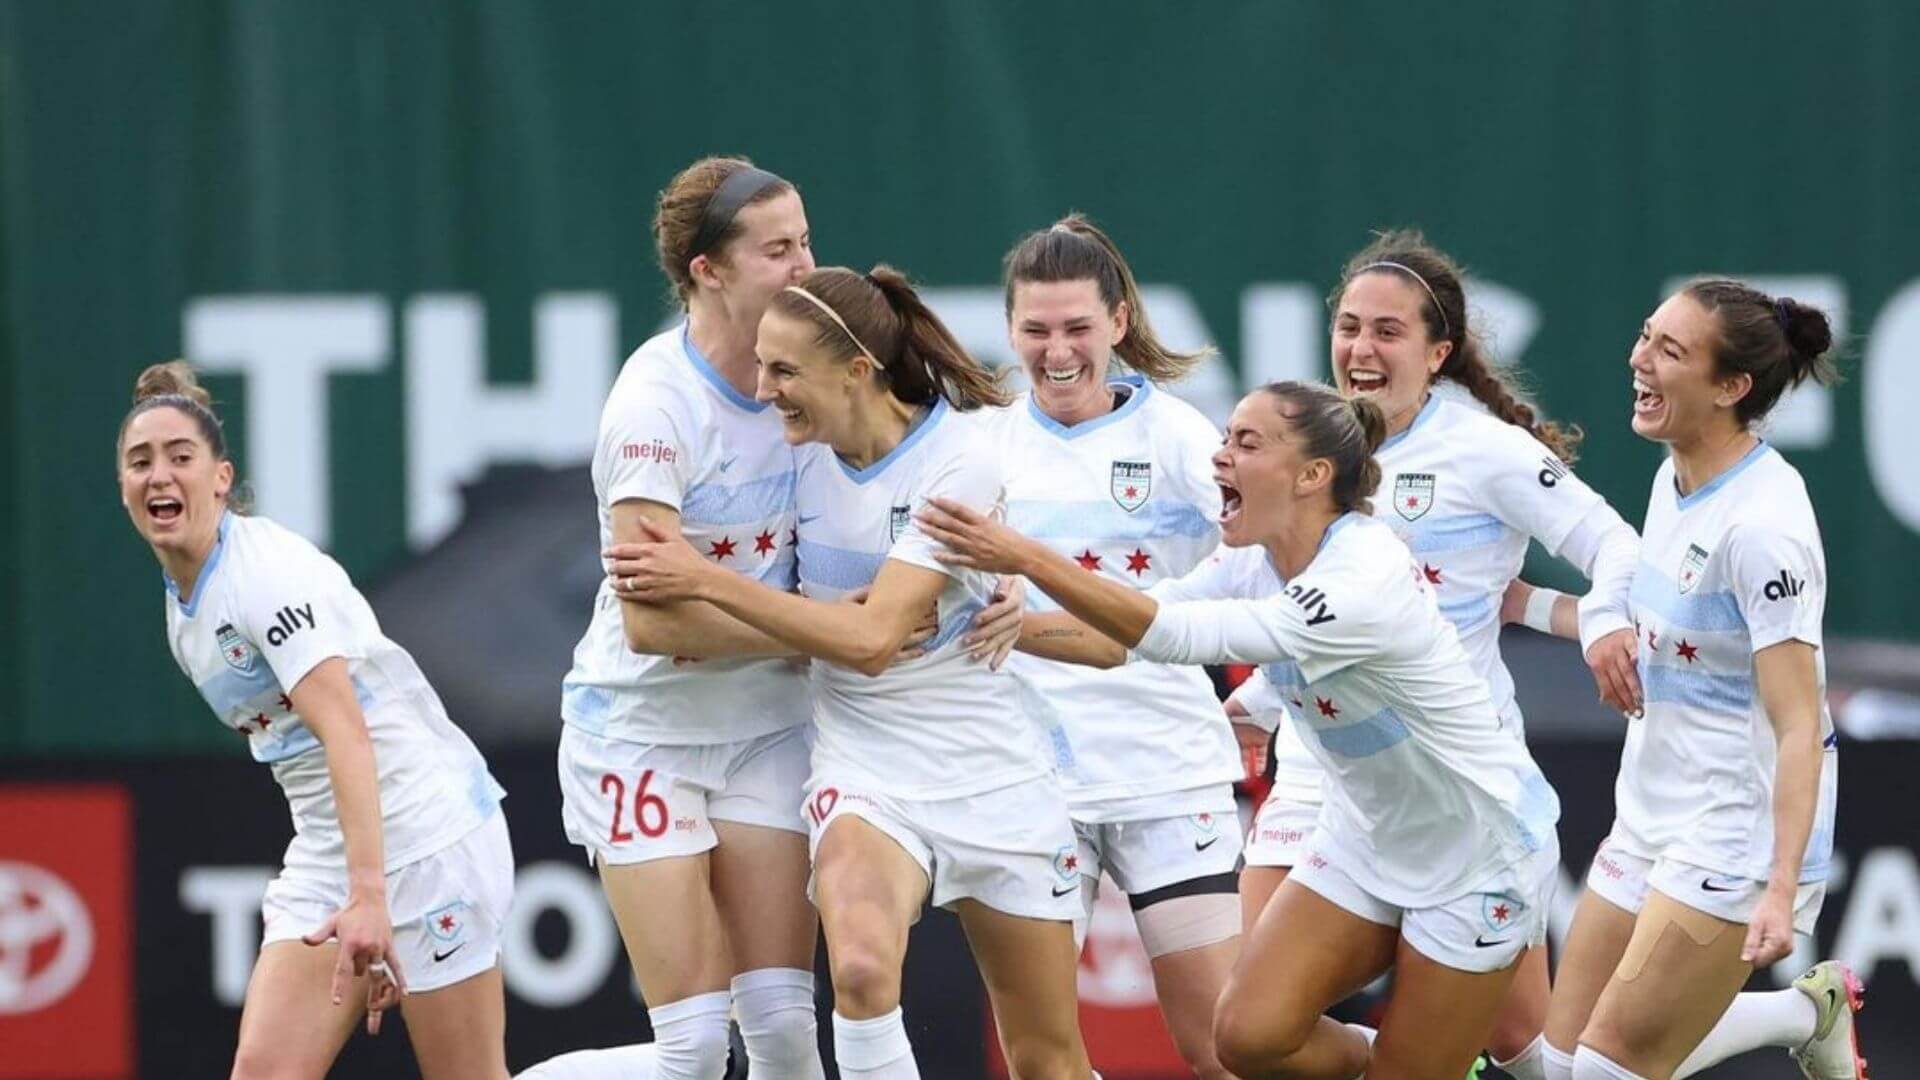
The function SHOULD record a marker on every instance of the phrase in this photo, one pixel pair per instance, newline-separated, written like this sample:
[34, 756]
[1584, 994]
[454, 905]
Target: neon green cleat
[1479, 1066]
[1834, 1051]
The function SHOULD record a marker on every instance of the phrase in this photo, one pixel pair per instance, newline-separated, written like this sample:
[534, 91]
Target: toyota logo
[46, 938]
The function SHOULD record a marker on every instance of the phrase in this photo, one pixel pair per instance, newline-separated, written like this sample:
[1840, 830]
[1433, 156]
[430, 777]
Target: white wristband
[1539, 613]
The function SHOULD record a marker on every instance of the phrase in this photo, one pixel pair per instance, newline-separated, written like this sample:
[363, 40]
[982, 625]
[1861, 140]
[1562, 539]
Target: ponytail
[1075, 249]
[879, 314]
[1443, 309]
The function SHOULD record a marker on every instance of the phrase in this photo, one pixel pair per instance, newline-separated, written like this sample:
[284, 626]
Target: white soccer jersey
[267, 609]
[1130, 496]
[1427, 796]
[943, 725]
[676, 433]
[1275, 706]
[1725, 572]
[1466, 491]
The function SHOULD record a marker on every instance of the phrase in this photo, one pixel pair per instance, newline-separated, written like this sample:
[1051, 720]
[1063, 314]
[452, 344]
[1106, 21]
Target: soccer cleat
[1834, 1051]
[1479, 1066]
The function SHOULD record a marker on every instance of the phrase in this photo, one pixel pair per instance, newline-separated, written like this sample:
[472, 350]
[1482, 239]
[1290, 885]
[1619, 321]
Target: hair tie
[837, 321]
[740, 187]
[1446, 325]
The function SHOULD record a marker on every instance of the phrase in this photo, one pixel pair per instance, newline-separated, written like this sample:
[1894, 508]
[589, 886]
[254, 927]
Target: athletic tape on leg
[1188, 922]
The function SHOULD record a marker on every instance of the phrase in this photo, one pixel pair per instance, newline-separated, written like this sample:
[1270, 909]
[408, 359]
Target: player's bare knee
[1034, 1057]
[256, 1062]
[866, 980]
[1254, 1045]
[1514, 1031]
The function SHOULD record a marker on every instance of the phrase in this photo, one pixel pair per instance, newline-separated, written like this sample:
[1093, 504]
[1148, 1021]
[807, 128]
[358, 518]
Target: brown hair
[682, 209]
[1443, 308]
[919, 359]
[1344, 430]
[1779, 342]
[1075, 249]
[173, 385]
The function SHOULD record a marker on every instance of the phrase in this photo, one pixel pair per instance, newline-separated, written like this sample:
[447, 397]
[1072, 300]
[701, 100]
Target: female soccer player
[1723, 824]
[683, 780]
[400, 871]
[927, 775]
[1468, 482]
[1435, 850]
[1119, 479]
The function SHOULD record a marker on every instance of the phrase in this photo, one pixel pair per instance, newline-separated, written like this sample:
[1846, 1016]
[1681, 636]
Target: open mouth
[1061, 376]
[165, 509]
[1229, 502]
[1645, 398]
[791, 416]
[1366, 382]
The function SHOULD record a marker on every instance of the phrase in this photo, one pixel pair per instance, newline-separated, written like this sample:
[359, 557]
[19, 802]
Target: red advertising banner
[66, 932]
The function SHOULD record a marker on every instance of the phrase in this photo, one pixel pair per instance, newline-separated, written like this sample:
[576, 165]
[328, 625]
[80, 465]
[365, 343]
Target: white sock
[1366, 1032]
[1527, 1064]
[1590, 1064]
[875, 1049]
[690, 1037]
[775, 1007]
[1780, 1018]
[1558, 1064]
[613, 1063]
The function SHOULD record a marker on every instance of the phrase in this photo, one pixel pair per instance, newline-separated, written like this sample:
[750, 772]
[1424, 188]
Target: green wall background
[155, 152]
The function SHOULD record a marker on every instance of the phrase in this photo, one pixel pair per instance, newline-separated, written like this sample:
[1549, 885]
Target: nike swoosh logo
[1709, 886]
[1198, 846]
[1485, 944]
[806, 518]
[728, 464]
[1069, 889]
[439, 956]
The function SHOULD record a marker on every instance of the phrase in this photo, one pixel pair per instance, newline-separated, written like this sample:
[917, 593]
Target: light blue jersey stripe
[230, 689]
[836, 567]
[1467, 612]
[739, 504]
[297, 740]
[1285, 676]
[1704, 611]
[1364, 738]
[1454, 533]
[953, 625]
[1046, 519]
[1696, 689]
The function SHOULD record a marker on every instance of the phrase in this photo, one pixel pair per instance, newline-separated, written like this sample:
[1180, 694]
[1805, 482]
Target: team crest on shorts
[1692, 565]
[234, 649]
[1500, 910]
[897, 521]
[448, 923]
[1066, 862]
[1413, 494]
[1132, 483]
[1205, 824]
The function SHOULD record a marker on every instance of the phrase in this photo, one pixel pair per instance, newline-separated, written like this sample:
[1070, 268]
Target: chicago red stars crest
[1066, 863]
[1692, 565]
[234, 649]
[1500, 911]
[448, 923]
[1132, 483]
[1413, 494]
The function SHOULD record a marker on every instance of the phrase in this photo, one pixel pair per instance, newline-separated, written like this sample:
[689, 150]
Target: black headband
[737, 190]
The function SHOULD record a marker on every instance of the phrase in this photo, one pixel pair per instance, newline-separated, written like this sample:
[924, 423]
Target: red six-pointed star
[1412, 502]
[1327, 707]
[446, 922]
[721, 548]
[1139, 562]
[1133, 493]
[1088, 560]
[1072, 862]
[1432, 572]
[764, 543]
[1500, 913]
[1687, 652]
